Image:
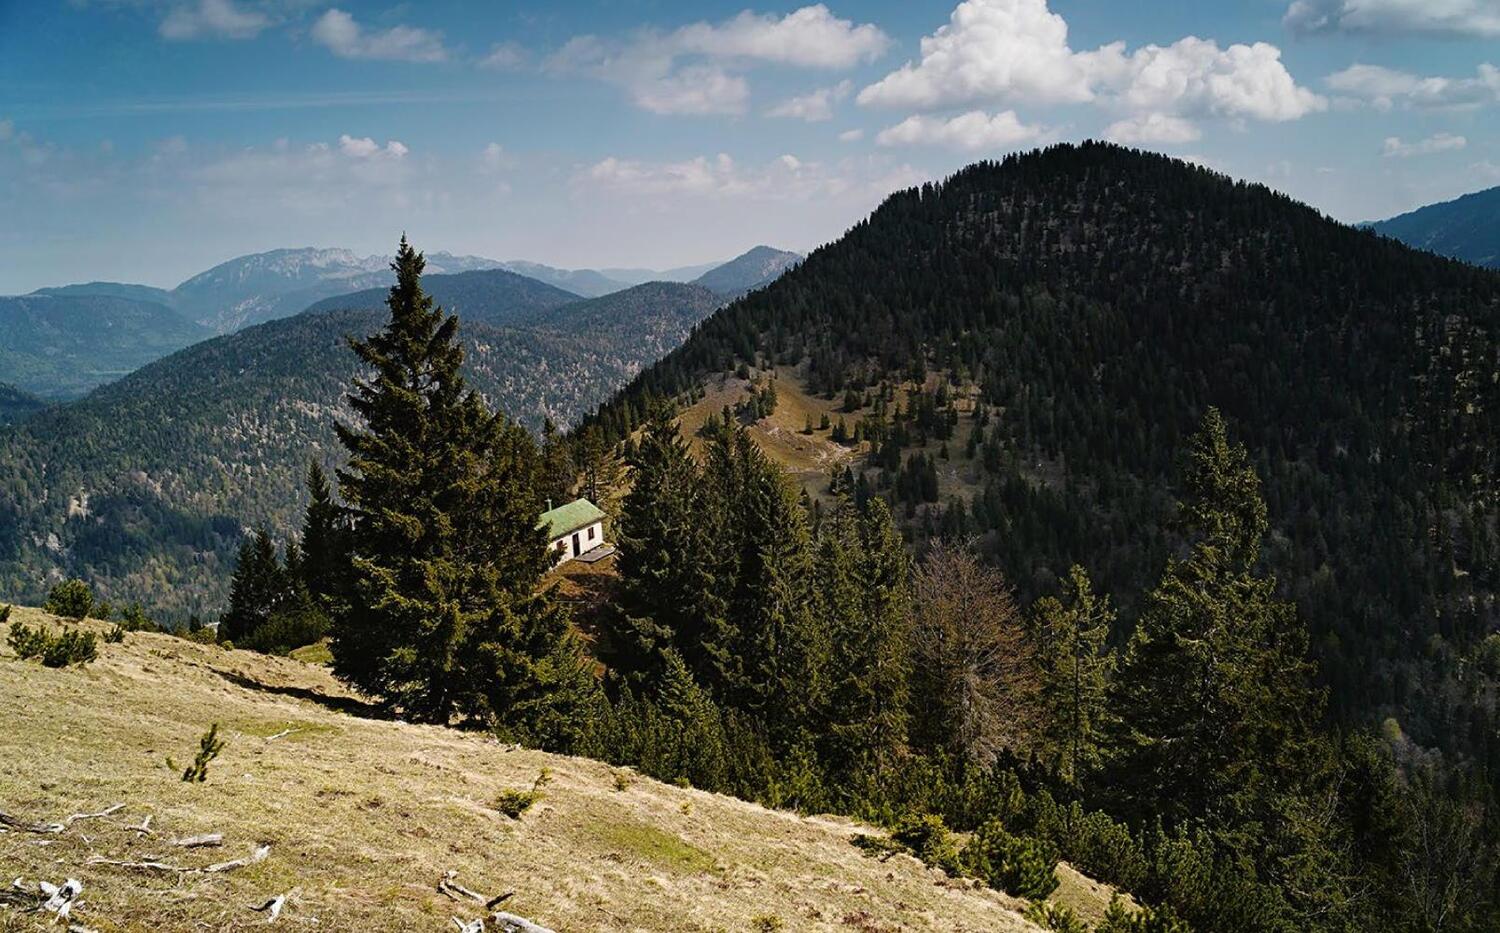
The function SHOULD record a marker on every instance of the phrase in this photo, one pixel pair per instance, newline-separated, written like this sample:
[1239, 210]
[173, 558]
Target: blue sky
[145, 140]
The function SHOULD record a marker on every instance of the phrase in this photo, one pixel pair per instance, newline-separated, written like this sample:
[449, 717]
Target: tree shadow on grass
[348, 705]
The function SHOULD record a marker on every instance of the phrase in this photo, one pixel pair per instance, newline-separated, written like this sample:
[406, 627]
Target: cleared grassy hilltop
[364, 817]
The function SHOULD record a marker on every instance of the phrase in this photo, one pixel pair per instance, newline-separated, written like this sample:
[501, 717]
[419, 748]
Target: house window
[591, 532]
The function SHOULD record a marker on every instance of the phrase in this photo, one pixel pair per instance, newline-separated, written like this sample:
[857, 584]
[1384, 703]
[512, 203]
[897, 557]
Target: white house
[574, 530]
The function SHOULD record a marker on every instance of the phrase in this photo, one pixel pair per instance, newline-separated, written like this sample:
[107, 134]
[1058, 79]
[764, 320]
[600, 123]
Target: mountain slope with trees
[61, 346]
[147, 486]
[1466, 228]
[496, 297]
[752, 269]
[1100, 300]
[16, 405]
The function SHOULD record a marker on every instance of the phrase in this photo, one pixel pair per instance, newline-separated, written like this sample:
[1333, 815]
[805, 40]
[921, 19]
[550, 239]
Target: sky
[147, 140]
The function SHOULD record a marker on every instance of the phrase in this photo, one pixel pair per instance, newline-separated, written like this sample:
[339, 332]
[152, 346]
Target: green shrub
[4, 614]
[71, 599]
[925, 836]
[1013, 864]
[1055, 917]
[115, 635]
[515, 802]
[209, 747]
[60, 650]
[1120, 919]
[133, 618]
[287, 631]
[102, 611]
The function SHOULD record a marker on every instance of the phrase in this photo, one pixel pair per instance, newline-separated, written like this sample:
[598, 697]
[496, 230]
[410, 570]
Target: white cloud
[697, 89]
[213, 19]
[366, 148]
[1394, 17]
[505, 56]
[348, 39]
[786, 178]
[814, 107]
[1159, 128]
[811, 37]
[696, 69]
[495, 158]
[851, 136]
[970, 132]
[1016, 51]
[1384, 88]
[1396, 147]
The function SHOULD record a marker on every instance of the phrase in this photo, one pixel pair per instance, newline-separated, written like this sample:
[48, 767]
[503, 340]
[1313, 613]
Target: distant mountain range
[61, 342]
[1466, 228]
[146, 486]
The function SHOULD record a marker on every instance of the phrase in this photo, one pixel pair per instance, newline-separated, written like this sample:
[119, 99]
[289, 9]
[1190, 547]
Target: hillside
[752, 269]
[16, 405]
[491, 296]
[144, 487]
[589, 283]
[112, 290]
[61, 346]
[1466, 228]
[1094, 301]
[363, 817]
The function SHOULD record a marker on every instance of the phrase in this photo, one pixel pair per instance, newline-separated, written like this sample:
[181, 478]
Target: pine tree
[258, 589]
[1071, 637]
[443, 617]
[325, 545]
[1214, 695]
[558, 472]
[662, 543]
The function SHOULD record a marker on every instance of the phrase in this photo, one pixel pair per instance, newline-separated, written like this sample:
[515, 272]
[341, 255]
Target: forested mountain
[113, 290]
[1100, 300]
[1466, 228]
[750, 269]
[638, 276]
[62, 346]
[492, 296]
[16, 405]
[589, 283]
[145, 487]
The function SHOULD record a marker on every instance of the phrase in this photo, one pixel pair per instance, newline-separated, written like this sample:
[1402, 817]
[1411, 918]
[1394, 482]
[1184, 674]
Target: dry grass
[364, 816]
[1087, 898]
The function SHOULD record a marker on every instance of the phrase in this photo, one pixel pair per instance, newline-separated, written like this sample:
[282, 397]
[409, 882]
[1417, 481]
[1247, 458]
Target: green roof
[580, 513]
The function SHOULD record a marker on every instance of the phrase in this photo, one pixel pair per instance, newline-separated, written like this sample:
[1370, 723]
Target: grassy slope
[364, 816]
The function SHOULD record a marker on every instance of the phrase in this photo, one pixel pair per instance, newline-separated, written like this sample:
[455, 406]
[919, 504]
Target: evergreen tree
[1071, 636]
[662, 543]
[325, 545]
[258, 589]
[558, 472]
[443, 617]
[1214, 695]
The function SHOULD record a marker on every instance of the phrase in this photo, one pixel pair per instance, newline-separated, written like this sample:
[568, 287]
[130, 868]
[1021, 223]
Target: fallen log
[271, 908]
[256, 856]
[454, 890]
[510, 923]
[107, 811]
[14, 823]
[196, 842]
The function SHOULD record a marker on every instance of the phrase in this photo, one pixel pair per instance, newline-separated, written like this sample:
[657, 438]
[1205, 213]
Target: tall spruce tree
[325, 545]
[442, 616]
[1071, 638]
[1215, 696]
[258, 589]
[663, 542]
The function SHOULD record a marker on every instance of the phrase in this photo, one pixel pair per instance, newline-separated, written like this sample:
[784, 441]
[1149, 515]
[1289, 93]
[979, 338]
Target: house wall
[585, 541]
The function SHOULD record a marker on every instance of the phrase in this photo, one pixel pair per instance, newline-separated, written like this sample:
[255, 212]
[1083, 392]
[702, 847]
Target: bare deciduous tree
[975, 682]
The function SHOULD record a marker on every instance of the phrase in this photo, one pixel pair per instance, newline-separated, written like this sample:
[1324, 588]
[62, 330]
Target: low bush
[1013, 864]
[515, 802]
[209, 747]
[925, 836]
[61, 650]
[71, 599]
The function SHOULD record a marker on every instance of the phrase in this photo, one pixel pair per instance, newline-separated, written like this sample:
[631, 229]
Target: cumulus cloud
[213, 19]
[1159, 128]
[1479, 18]
[366, 148]
[814, 107]
[786, 178]
[1385, 88]
[851, 136]
[970, 132]
[1397, 148]
[697, 69]
[1017, 52]
[346, 38]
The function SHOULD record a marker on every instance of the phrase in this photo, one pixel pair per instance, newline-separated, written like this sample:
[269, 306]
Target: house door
[576, 549]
